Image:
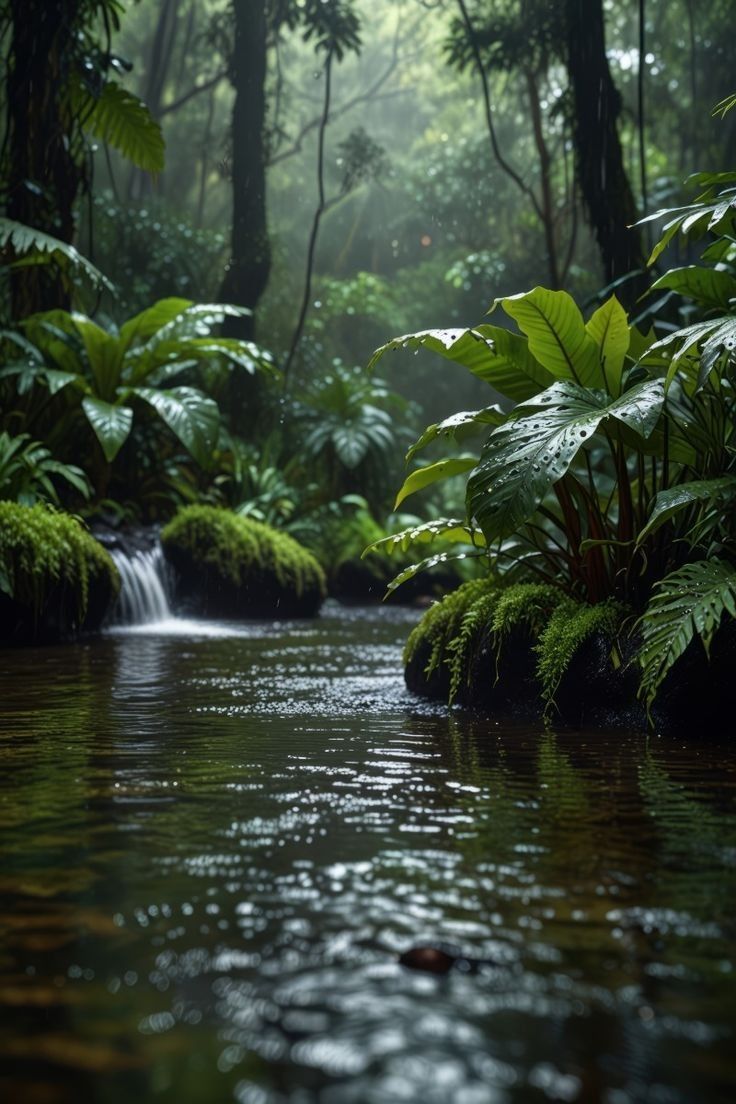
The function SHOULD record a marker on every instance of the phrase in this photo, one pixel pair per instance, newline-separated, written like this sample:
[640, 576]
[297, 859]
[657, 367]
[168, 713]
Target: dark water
[213, 849]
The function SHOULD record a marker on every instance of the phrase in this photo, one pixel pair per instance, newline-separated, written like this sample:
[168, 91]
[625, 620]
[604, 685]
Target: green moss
[571, 624]
[238, 550]
[44, 554]
[457, 630]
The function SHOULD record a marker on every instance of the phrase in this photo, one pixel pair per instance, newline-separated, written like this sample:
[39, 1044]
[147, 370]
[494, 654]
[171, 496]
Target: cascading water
[144, 591]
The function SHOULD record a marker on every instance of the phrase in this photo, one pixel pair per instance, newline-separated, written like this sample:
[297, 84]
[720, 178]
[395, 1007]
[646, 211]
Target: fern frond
[123, 121]
[33, 245]
[689, 602]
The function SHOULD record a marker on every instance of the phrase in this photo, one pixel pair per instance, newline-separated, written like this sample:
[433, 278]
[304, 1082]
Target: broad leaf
[609, 328]
[525, 457]
[111, 424]
[709, 287]
[557, 335]
[103, 356]
[721, 491]
[688, 602]
[433, 473]
[189, 414]
[493, 354]
[121, 120]
[458, 426]
[448, 530]
[144, 325]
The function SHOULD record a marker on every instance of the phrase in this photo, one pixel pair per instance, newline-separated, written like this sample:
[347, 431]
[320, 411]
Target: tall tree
[250, 256]
[602, 176]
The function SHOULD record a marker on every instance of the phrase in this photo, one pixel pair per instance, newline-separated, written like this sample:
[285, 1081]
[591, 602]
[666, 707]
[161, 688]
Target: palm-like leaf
[118, 118]
[43, 248]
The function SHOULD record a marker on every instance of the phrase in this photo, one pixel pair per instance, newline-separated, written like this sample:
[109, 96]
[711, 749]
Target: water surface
[215, 844]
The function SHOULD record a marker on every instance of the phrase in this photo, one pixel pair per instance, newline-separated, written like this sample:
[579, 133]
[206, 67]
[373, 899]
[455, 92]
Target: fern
[35, 247]
[121, 120]
[688, 602]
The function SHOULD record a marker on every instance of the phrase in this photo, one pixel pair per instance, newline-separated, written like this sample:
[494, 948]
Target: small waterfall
[144, 593]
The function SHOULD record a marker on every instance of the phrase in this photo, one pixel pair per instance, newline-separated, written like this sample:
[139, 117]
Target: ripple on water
[217, 846]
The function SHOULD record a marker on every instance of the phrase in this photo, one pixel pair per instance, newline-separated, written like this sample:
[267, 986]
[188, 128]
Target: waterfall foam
[144, 591]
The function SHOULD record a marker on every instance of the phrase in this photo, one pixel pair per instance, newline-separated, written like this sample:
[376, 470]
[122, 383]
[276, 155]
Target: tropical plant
[105, 375]
[28, 471]
[609, 471]
[348, 427]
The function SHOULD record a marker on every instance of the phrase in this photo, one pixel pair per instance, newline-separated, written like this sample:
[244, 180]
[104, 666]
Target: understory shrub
[55, 578]
[229, 565]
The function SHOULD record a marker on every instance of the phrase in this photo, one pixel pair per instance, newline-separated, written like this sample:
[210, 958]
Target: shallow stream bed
[215, 844]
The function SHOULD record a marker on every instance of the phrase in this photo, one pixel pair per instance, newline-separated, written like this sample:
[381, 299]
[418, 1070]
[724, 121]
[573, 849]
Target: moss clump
[570, 626]
[55, 578]
[229, 565]
[482, 645]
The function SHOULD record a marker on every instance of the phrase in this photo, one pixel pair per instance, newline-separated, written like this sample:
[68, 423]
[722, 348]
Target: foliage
[28, 470]
[27, 246]
[104, 375]
[237, 548]
[44, 555]
[608, 474]
[151, 252]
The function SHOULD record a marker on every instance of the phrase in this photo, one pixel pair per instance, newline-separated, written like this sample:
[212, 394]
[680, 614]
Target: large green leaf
[458, 426]
[525, 457]
[711, 339]
[498, 357]
[26, 240]
[433, 473]
[720, 491]
[688, 602]
[121, 120]
[111, 424]
[609, 328]
[445, 530]
[143, 326]
[103, 356]
[194, 418]
[557, 335]
[709, 287]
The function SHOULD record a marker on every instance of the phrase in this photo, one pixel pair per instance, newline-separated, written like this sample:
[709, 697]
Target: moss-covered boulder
[231, 566]
[55, 578]
[530, 651]
[523, 650]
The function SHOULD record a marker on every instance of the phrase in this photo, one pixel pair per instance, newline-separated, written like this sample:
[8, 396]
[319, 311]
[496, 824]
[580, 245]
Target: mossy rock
[55, 579]
[528, 650]
[231, 566]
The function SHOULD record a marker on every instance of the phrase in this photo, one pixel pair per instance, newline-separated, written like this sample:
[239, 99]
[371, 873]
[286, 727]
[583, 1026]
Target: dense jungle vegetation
[215, 211]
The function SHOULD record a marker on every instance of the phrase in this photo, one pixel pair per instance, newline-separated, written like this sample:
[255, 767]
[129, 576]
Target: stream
[217, 839]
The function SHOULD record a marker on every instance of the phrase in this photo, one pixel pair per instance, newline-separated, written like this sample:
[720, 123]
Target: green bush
[230, 565]
[55, 578]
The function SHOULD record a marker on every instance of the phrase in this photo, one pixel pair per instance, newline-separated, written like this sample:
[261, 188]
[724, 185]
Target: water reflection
[215, 848]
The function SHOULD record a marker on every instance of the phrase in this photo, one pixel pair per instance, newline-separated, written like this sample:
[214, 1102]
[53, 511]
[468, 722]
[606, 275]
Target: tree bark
[604, 184]
[250, 260]
[42, 176]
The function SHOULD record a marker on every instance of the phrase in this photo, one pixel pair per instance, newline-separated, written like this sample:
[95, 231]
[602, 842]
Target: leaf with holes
[525, 457]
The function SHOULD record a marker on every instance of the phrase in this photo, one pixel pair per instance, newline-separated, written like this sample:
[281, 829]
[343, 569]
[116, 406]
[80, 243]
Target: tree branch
[195, 91]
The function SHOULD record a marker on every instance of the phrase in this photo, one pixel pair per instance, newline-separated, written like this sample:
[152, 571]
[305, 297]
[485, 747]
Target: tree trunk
[41, 173]
[604, 184]
[250, 260]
